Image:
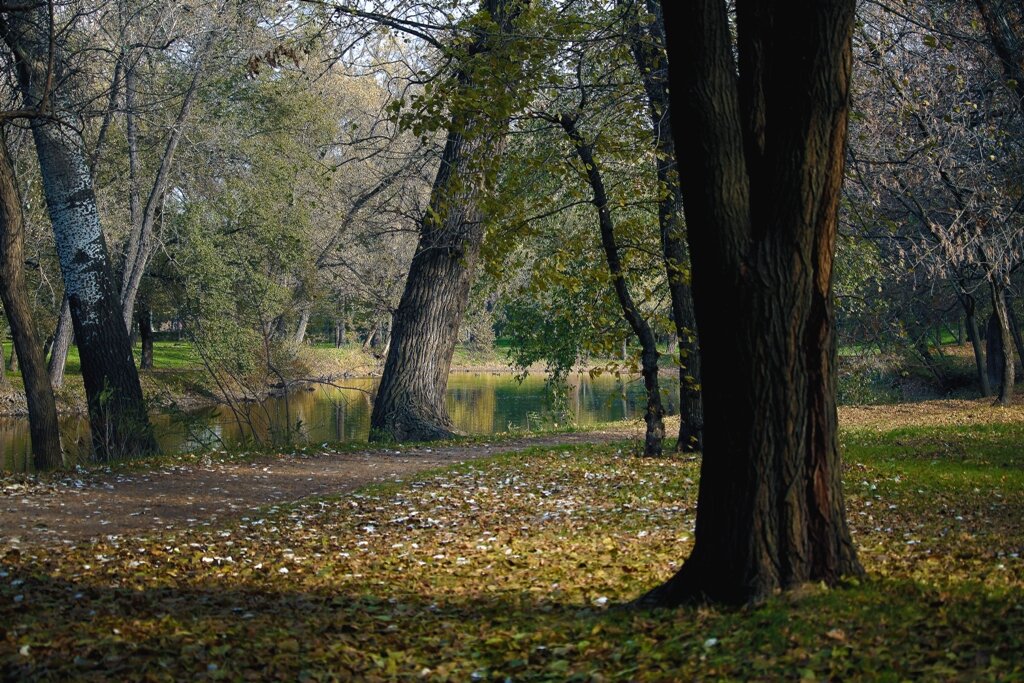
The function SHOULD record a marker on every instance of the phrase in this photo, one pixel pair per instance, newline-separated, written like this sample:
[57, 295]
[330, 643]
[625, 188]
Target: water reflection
[479, 403]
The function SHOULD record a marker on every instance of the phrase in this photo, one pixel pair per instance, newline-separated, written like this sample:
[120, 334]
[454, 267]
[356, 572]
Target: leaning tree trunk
[761, 168]
[117, 413]
[61, 345]
[654, 415]
[42, 409]
[410, 401]
[300, 329]
[648, 46]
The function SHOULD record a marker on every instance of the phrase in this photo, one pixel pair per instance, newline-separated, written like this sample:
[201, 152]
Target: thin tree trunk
[672, 348]
[654, 415]
[339, 333]
[761, 170]
[300, 330]
[1004, 359]
[42, 409]
[648, 46]
[410, 402]
[120, 425]
[145, 318]
[370, 336]
[140, 243]
[1018, 340]
[61, 345]
[12, 360]
[3, 373]
[971, 322]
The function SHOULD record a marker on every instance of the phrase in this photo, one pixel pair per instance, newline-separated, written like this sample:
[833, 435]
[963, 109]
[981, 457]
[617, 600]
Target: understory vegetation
[516, 567]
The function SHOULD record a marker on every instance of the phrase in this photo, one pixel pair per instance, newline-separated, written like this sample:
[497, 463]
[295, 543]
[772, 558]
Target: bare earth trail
[73, 510]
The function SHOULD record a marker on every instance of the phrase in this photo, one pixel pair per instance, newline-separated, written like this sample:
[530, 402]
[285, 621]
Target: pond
[479, 403]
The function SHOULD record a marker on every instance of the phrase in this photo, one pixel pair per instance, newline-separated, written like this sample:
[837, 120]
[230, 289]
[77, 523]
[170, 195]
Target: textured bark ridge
[647, 41]
[42, 409]
[410, 401]
[118, 419]
[761, 152]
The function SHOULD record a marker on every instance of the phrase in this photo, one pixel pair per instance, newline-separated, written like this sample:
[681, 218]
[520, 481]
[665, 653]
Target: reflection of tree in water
[479, 403]
[472, 406]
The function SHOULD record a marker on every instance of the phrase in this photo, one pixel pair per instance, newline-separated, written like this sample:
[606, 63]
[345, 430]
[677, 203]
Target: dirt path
[72, 510]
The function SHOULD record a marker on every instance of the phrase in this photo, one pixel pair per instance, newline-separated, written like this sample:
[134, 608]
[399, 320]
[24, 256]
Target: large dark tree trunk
[117, 414]
[654, 415]
[761, 167]
[1004, 23]
[42, 409]
[410, 401]
[648, 45]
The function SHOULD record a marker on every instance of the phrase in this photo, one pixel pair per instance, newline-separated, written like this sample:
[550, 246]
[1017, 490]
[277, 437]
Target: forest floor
[507, 566]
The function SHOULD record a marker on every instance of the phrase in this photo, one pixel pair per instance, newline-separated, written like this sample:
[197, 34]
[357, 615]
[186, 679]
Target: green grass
[505, 568]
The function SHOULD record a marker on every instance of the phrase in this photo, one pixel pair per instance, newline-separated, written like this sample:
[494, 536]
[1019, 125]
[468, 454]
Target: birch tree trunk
[117, 414]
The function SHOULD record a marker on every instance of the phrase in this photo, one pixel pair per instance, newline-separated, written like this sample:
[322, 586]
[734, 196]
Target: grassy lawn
[500, 571]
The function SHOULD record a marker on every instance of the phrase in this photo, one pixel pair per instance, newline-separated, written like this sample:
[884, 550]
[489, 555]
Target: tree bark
[761, 168]
[647, 41]
[61, 345]
[1002, 353]
[654, 415]
[117, 414]
[971, 322]
[410, 401]
[300, 329]
[145, 318]
[42, 409]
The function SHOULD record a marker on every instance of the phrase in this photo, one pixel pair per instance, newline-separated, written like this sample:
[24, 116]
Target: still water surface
[479, 403]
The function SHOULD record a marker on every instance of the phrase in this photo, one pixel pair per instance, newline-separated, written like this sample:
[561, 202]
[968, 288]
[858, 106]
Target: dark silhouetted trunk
[1000, 346]
[647, 41]
[12, 361]
[410, 401]
[974, 334]
[42, 409]
[117, 414]
[1004, 23]
[145, 318]
[761, 169]
[654, 415]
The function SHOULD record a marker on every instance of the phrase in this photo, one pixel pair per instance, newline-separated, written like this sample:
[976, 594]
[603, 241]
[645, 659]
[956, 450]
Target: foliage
[497, 570]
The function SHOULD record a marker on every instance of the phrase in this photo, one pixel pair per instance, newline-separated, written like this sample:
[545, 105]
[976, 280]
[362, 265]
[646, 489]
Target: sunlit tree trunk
[761, 150]
[118, 419]
[42, 409]
[410, 401]
[61, 344]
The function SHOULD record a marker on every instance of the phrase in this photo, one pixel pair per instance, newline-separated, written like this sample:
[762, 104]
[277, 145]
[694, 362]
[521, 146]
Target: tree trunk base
[407, 425]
